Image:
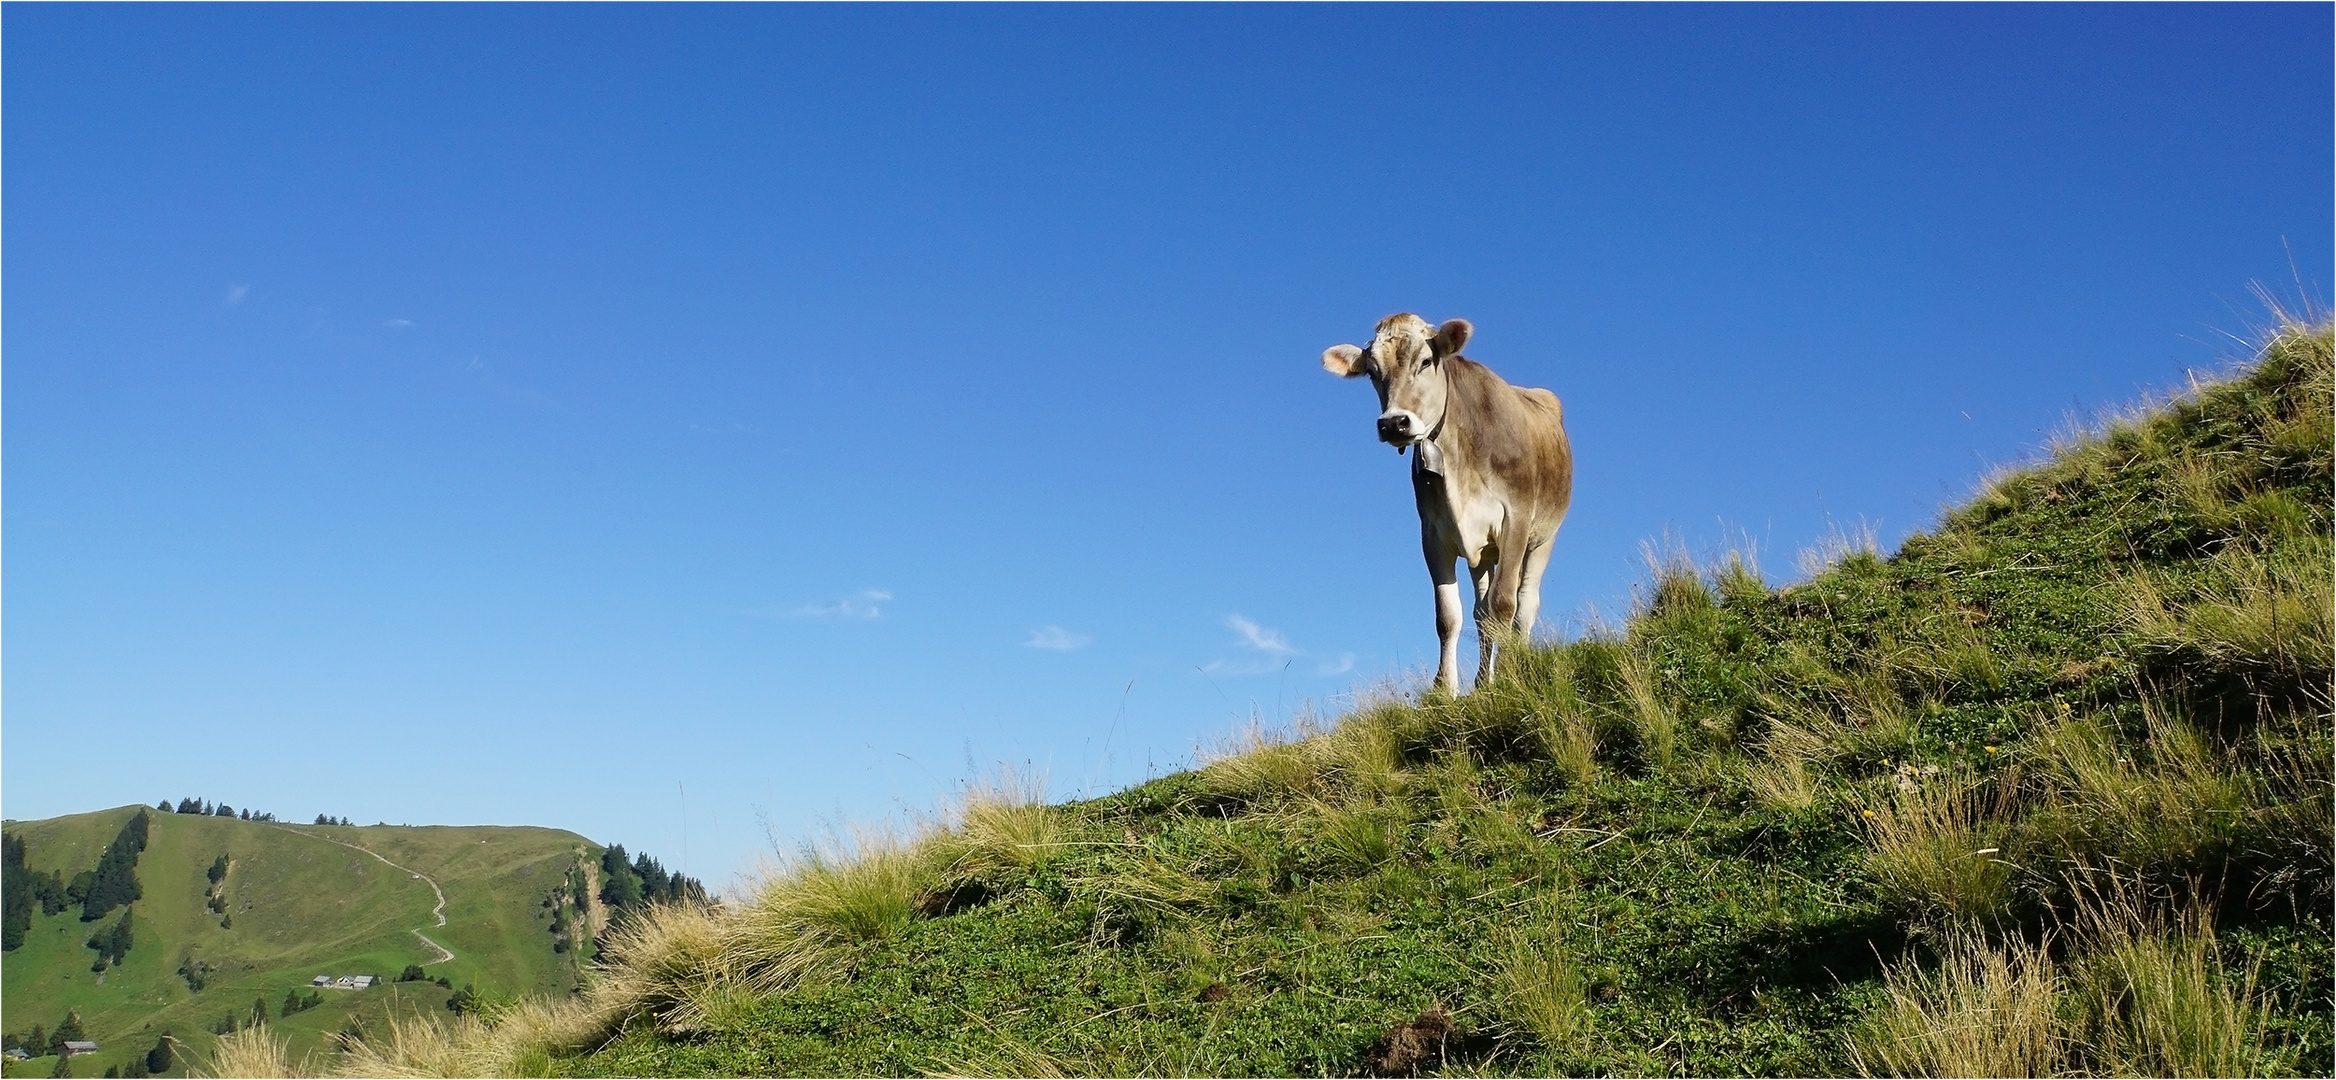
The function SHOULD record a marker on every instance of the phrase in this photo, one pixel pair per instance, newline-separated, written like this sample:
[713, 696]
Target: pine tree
[18, 894]
[158, 1060]
[115, 881]
[113, 943]
[68, 1030]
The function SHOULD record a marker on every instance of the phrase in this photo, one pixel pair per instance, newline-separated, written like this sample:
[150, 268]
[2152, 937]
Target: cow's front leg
[1440, 570]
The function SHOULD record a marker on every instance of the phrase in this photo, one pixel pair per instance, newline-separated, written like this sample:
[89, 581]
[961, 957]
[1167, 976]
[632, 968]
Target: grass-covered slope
[299, 900]
[2046, 790]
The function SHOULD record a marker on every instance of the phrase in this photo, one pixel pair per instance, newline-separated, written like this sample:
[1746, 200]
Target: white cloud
[1266, 650]
[1269, 642]
[399, 324]
[235, 294]
[865, 604]
[1056, 638]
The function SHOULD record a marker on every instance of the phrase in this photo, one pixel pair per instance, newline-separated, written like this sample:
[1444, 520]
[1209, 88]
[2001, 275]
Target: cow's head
[1406, 365]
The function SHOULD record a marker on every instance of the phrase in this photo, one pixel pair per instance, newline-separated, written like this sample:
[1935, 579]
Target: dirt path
[439, 912]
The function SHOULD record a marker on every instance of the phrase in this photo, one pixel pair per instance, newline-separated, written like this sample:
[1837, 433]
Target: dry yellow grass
[253, 1052]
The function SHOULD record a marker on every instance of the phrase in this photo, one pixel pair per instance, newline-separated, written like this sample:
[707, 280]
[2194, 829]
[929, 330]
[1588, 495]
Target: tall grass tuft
[1652, 719]
[2273, 613]
[254, 1052]
[1003, 823]
[670, 961]
[1937, 850]
[423, 1046]
[1781, 776]
[1541, 990]
[1857, 719]
[1988, 1009]
[1261, 763]
[806, 916]
[2156, 998]
[2171, 799]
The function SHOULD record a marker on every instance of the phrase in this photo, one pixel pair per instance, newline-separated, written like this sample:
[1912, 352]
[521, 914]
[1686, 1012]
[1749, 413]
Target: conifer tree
[113, 943]
[68, 1030]
[18, 894]
[115, 881]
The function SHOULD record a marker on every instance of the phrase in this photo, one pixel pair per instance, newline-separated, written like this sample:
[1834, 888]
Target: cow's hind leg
[1497, 609]
[1529, 587]
[1484, 575]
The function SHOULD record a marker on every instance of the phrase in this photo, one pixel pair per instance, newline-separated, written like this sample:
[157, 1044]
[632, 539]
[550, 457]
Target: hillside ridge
[275, 911]
[2044, 791]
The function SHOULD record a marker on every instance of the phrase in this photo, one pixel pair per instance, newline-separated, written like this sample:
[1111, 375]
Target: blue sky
[701, 426]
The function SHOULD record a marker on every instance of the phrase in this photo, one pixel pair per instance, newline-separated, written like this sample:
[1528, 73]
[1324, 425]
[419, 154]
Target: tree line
[205, 807]
[642, 880]
[112, 884]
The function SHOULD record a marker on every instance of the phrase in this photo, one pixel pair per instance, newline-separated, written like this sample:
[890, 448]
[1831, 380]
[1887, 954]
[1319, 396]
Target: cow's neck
[1430, 456]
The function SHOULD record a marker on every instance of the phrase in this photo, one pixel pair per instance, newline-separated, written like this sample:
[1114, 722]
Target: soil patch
[1404, 1050]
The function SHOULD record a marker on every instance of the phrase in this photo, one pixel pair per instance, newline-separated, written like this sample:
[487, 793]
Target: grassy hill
[300, 900]
[2047, 790]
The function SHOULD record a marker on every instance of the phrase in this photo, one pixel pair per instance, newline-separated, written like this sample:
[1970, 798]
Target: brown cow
[1493, 475]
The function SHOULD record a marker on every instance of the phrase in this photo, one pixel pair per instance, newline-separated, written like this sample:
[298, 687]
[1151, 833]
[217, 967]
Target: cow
[1493, 475]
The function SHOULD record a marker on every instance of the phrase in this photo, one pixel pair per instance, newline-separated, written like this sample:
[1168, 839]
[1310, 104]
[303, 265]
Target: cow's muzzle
[1397, 428]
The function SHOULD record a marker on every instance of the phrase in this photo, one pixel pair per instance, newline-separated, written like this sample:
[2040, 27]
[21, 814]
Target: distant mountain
[252, 912]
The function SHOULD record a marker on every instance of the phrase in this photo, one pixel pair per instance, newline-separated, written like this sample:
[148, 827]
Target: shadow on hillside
[1813, 958]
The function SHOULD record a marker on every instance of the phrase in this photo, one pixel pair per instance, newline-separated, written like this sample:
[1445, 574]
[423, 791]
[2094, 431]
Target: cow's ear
[1344, 360]
[1452, 337]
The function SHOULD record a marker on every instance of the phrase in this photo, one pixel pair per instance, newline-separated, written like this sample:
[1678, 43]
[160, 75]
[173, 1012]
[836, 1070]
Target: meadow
[2046, 790]
[299, 901]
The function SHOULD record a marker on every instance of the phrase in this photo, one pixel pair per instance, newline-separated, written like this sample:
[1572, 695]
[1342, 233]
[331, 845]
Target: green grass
[300, 906]
[2045, 790]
